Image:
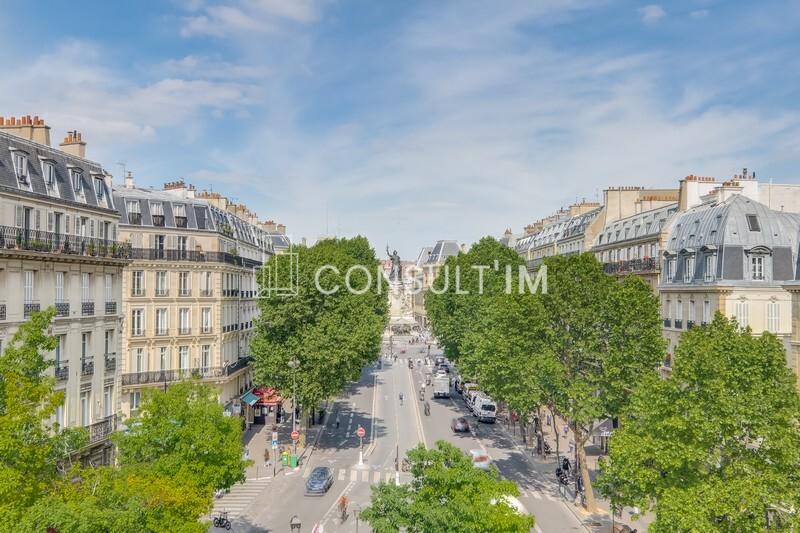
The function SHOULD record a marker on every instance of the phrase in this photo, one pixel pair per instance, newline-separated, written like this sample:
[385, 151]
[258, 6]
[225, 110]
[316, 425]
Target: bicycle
[343, 508]
[222, 521]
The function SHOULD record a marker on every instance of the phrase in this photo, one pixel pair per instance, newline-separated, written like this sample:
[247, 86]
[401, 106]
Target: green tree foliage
[716, 447]
[30, 450]
[332, 335]
[183, 433]
[447, 494]
[479, 273]
[95, 500]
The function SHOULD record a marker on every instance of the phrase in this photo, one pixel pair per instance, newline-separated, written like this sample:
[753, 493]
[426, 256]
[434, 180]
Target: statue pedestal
[401, 314]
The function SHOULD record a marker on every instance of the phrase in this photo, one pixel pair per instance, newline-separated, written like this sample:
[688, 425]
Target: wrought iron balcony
[87, 308]
[206, 292]
[12, 238]
[186, 292]
[111, 308]
[2, 311]
[158, 220]
[29, 308]
[678, 323]
[237, 365]
[160, 332]
[99, 431]
[667, 323]
[62, 309]
[137, 291]
[62, 371]
[205, 329]
[87, 366]
[162, 292]
[168, 376]
[648, 264]
[137, 332]
[689, 324]
[184, 331]
[192, 256]
[111, 361]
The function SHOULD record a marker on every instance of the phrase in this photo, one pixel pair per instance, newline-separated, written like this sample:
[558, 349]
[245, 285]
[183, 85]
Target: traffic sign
[295, 435]
[274, 443]
[361, 432]
[274, 435]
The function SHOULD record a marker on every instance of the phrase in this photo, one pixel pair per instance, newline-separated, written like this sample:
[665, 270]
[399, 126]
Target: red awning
[267, 396]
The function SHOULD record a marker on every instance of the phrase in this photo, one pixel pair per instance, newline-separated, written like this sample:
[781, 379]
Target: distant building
[190, 294]
[427, 265]
[59, 248]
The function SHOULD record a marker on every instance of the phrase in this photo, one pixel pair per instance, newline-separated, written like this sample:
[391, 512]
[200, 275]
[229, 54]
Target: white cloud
[652, 14]
[699, 14]
[246, 17]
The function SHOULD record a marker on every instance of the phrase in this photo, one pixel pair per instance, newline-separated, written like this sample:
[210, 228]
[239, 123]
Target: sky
[410, 122]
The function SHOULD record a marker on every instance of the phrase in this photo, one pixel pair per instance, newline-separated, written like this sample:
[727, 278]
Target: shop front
[268, 408]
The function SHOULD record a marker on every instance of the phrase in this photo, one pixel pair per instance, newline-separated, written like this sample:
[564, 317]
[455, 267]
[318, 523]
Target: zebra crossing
[240, 497]
[539, 495]
[358, 475]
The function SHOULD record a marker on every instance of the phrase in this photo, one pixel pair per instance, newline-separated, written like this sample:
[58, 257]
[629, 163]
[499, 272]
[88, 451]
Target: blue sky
[412, 121]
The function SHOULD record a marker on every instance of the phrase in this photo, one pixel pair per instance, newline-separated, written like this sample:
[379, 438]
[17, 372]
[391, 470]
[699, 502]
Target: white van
[484, 409]
[469, 398]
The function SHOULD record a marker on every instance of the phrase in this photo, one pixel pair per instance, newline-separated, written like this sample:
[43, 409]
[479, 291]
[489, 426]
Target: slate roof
[639, 226]
[62, 162]
[441, 251]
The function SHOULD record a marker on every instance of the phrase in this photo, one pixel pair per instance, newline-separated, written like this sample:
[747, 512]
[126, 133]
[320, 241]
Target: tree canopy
[447, 494]
[716, 447]
[479, 273]
[332, 335]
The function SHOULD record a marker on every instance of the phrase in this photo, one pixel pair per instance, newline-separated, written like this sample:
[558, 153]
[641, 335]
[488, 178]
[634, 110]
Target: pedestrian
[337, 421]
[247, 452]
[266, 457]
[566, 429]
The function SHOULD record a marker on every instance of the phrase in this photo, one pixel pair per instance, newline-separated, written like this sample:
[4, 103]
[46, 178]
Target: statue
[396, 273]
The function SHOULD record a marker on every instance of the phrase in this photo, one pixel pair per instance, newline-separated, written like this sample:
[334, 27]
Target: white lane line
[420, 430]
[354, 475]
[377, 477]
[388, 477]
[371, 445]
[306, 472]
[342, 472]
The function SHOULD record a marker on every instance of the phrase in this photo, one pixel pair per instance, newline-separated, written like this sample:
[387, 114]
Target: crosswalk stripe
[377, 477]
[354, 475]
[341, 474]
[536, 495]
[306, 472]
[388, 477]
[365, 475]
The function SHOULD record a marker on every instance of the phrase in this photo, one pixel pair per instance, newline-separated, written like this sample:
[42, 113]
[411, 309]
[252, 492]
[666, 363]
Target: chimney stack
[32, 129]
[129, 180]
[74, 145]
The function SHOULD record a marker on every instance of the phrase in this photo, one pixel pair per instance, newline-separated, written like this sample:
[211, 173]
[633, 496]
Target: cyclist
[343, 507]
[401, 398]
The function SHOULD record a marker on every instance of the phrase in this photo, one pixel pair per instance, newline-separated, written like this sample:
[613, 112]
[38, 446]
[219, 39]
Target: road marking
[306, 472]
[420, 430]
[388, 477]
[365, 475]
[371, 445]
[342, 472]
[354, 475]
[377, 477]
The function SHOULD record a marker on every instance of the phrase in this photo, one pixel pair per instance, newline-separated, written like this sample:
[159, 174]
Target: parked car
[484, 408]
[444, 367]
[441, 386]
[459, 425]
[469, 398]
[480, 459]
[319, 481]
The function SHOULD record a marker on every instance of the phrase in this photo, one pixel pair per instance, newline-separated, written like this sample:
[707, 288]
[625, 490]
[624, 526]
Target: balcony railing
[667, 323]
[160, 332]
[205, 292]
[111, 361]
[135, 218]
[237, 365]
[205, 329]
[12, 238]
[62, 371]
[99, 431]
[186, 292]
[87, 366]
[137, 332]
[184, 331]
[678, 323]
[162, 292]
[2, 311]
[111, 308]
[29, 308]
[167, 376]
[689, 324]
[158, 220]
[648, 264]
[62, 309]
[87, 308]
[192, 256]
[180, 222]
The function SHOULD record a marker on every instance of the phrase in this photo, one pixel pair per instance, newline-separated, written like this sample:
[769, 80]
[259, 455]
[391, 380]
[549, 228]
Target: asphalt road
[373, 403]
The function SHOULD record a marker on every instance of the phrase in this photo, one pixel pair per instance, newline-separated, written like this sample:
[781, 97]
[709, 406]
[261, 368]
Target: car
[319, 481]
[445, 367]
[480, 459]
[459, 425]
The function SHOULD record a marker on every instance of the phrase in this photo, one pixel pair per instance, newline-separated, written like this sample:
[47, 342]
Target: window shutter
[38, 217]
[20, 215]
[50, 221]
[113, 232]
[77, 225]
[91, 228]
[66, 224]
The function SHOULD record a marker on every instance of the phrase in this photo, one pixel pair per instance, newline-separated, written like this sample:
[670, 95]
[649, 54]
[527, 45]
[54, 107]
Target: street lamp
[356, 510]
[294, 363]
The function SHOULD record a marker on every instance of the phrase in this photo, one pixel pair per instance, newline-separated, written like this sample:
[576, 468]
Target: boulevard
[392, 428]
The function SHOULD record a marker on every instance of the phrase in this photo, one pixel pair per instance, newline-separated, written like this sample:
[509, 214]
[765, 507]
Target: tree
[333, 336]
[478, 273]
[183, 433]
[30, 450]
[446, 494]
[603, 337]
[716, 446]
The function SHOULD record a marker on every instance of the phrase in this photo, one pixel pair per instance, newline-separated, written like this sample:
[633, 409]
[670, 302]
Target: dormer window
[134, 212]
[688, 269]
[21, 169]
[157, 210]
[180, 215]
[757, 267]
[76, 177]
[49, 176]
[100, 187]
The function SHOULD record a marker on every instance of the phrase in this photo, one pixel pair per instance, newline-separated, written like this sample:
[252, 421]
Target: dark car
[459, 425]
[319, 481]
[445, 367]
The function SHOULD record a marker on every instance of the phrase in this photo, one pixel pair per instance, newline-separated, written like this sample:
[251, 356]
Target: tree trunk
[555, 431]
[580, 441]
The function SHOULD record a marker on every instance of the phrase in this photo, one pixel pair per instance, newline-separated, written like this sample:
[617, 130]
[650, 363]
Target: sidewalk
[259, 437]
[593, 454]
